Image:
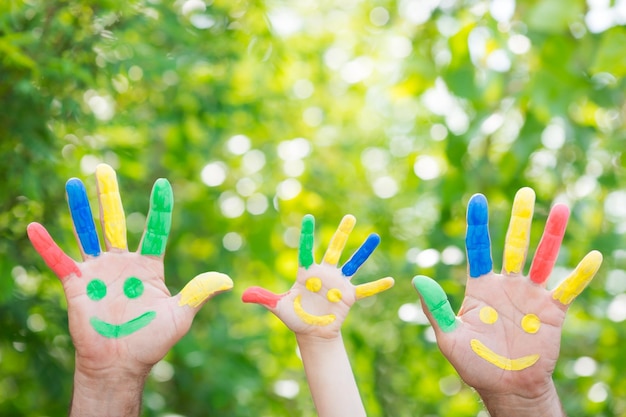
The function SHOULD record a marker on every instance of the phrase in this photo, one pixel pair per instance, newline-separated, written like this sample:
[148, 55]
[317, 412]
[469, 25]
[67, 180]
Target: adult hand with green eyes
[122, 318]
[315, 308]
[505, 340]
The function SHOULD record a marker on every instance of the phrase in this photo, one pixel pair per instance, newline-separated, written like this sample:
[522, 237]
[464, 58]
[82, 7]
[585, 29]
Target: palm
[320, 299]
[164, 321]
[506, 336]
[120, 311]
[513, 298]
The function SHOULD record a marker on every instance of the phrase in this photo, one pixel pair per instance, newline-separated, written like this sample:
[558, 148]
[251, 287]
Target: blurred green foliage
[260, 112]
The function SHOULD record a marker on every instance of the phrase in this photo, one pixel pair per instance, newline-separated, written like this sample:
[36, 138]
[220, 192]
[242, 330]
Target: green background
[260, 112]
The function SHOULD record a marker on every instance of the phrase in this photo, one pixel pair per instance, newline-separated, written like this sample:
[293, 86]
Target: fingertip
[594, 259]
[425, 285]
[477, 210]
[560, 209]
[437, 304]
[204, 286]
[259, 295]
[308, 224]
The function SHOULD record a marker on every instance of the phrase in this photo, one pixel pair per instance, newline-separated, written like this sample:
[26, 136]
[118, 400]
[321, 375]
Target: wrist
[545, 404]
[107, 392]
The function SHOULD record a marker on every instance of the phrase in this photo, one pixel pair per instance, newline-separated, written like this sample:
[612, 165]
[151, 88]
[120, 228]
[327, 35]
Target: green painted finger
[159, 219]
[436, 302]
[305, 253]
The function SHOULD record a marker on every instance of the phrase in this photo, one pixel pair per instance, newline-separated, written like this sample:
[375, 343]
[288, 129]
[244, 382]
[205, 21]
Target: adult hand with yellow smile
[505, 340]
[122, 317]
[315, 308]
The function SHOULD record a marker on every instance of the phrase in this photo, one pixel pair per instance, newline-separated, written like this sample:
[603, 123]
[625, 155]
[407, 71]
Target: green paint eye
[96, 289]
[133, 287]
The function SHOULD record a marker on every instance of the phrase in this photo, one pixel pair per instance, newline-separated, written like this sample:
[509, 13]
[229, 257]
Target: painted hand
[506, 336]
[322, 295]
[121, 314]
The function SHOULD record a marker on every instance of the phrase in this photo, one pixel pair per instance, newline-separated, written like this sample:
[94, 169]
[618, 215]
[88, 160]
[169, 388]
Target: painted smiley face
[333, 295]
[133, 288]
[530, 323]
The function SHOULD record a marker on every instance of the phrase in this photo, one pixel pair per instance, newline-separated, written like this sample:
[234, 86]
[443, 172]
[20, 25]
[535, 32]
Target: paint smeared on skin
[334, 295]
[204, 286]
[311, 319]
[261, 296]
[488, 315]
[477, 239]
[436, 302]
[360, 256]
[114, 222]
[518, 234]
[500, 361]
[548, 248]
[96, 289]
[305, 252]
[159, 221]
[339, 239]
[115, 331]
[531, 323]
[313, 284]
[576, 282]
[82, 217]
[133, 287]
[61, 264]
[372, 288]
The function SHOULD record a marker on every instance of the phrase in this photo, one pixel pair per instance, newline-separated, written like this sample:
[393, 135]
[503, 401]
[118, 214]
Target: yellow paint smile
[500, 361]
[311, 319]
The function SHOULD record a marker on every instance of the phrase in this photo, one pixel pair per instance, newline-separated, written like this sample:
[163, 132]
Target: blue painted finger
[82, 217]
[477, 238]
[360, 256]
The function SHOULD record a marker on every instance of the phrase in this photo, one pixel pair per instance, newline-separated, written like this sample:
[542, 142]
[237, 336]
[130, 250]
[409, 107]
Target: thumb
[261, 296]
[438, 309]
[202, 287]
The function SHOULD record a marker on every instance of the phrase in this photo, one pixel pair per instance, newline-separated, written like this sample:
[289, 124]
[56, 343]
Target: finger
[111, 210]
[436, 302]
[61, 264]
[477, 239]
[305, 252]
[339, 239]
[361, 255]
[549, 245]
[261, 296]
[203, 287]
[159, 220]
[82, 217]
[518, 233]
[576, 282]
[373, 288]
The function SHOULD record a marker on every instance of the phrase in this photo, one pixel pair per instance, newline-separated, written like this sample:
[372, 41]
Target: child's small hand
[505, 340]
[322, 295]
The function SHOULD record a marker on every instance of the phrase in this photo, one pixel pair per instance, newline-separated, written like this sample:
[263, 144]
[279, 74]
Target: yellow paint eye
[313, 284]
[488, 315]
[531, 323]
[334, 295]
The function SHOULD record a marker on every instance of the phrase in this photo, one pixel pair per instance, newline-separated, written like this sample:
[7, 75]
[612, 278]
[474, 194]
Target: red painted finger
[550, 243]
[61, 264]
[261, 296]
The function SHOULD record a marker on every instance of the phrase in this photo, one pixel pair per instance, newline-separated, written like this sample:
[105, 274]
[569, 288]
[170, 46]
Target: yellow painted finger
[339, 239]
[518, 234]
[373, 288]
[111, 210]
[576, 282]
[202, 287]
